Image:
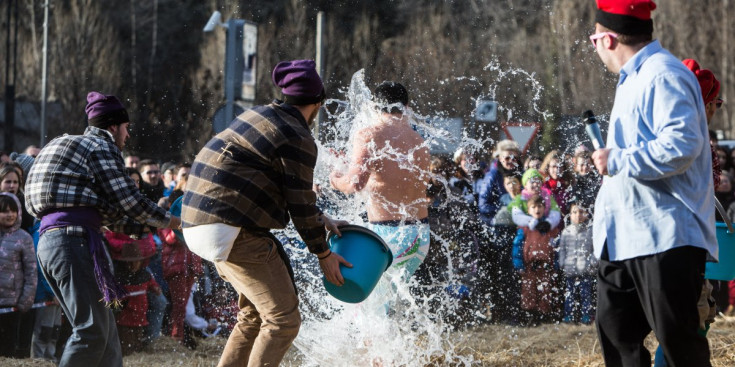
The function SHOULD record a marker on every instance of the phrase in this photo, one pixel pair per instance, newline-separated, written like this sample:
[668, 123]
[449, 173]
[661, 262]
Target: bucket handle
[724, 216]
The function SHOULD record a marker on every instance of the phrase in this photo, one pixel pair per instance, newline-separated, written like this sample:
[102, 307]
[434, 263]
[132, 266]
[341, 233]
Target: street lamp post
[44, 70]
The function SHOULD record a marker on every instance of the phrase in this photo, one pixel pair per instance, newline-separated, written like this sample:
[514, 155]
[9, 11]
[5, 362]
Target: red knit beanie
[629, 17]
[707, 81]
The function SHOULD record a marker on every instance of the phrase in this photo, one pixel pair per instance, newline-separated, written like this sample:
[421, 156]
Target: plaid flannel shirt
[258, 173]
[88, 170]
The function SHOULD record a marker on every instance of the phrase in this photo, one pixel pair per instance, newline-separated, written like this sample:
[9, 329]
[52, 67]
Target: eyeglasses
[596, 36]
[152, 172]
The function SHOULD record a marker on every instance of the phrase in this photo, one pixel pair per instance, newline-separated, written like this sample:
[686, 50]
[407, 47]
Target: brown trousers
[269, 318]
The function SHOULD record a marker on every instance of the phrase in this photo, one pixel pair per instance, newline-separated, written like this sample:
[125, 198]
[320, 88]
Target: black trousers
[657, 292]
[8, 332]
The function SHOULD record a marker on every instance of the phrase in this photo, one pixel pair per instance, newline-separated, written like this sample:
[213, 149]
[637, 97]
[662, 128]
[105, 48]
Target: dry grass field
[490, 345]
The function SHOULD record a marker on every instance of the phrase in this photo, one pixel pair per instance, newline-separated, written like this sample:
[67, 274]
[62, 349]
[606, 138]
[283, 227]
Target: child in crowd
[533, 257]
[532, 162]
[586, 180]
[532, 186]
[505, 290]
[556, 179]
[157, 302]
[221, 306]
[466, 176]
[197, 325]
[17, 272]
[548, 220]
[130, 258]
[577, 260]
[435, 265]
[452, 220]
[512, 184]
[181, 267]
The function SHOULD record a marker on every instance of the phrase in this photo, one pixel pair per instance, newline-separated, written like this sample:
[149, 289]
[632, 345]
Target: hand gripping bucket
[370, 257]
[725, 269]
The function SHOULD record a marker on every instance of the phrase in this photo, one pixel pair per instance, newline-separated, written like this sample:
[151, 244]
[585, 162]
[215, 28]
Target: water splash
[411, 328]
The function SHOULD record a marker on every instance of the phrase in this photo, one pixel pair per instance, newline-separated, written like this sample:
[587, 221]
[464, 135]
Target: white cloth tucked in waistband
[211, 242]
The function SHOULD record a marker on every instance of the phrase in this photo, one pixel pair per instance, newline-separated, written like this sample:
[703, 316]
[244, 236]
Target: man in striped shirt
[253, 177]
[77, 184]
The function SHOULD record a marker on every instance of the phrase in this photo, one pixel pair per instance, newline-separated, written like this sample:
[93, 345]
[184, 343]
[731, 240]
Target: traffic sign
[486, 111]
[522, 132]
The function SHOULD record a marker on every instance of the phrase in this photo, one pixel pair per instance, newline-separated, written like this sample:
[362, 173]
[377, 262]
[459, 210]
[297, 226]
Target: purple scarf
[91, 220]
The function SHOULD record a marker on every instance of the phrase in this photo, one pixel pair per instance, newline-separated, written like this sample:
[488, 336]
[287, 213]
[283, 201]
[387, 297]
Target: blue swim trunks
[409, 242]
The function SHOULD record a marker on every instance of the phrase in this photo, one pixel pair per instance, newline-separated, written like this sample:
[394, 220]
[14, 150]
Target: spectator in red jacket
[181, 267]
[130, 258]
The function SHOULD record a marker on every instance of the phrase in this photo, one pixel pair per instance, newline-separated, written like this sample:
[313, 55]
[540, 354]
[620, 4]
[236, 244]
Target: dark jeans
[157, 303]
[66, 263]
[657, 292]
[579, 296]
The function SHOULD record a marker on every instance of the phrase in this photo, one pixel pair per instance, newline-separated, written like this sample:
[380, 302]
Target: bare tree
[532, 56]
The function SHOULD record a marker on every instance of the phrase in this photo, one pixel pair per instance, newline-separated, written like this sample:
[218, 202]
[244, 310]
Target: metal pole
[320, 62]
[229, 71]
[43, 73]
[234, 64]
[10, 87]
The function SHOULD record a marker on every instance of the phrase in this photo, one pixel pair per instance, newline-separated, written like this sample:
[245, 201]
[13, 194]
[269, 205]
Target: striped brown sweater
[258, 174]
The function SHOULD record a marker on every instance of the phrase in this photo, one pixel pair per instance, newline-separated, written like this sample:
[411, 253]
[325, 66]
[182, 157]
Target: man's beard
[120, 142]
[312, 117]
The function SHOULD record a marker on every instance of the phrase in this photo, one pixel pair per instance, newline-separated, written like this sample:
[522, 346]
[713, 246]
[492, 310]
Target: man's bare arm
[357, 174]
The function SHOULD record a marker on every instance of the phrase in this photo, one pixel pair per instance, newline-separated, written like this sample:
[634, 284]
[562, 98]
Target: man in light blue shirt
[654, 215]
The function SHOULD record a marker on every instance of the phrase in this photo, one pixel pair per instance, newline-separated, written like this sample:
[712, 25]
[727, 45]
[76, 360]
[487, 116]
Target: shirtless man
[391, 164]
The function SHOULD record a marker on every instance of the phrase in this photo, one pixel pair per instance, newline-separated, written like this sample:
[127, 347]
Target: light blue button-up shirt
[659, 194]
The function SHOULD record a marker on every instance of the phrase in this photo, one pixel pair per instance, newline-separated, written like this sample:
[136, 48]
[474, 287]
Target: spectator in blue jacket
[507, 154]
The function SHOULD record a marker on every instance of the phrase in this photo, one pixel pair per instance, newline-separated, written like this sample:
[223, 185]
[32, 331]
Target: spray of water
[403, 323]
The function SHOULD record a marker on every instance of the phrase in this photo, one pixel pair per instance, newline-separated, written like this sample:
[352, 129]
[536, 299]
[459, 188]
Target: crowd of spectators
[512, 235]
[511, 240]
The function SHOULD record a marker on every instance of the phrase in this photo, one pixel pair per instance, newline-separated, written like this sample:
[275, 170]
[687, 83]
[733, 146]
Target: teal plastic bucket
[725, 269]
[369, 256]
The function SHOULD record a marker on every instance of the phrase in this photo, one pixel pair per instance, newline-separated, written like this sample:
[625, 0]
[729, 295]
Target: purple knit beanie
[104, 111]
[299, 82]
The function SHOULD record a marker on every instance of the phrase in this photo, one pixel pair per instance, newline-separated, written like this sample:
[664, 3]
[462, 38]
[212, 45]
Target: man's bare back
[391, 164]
